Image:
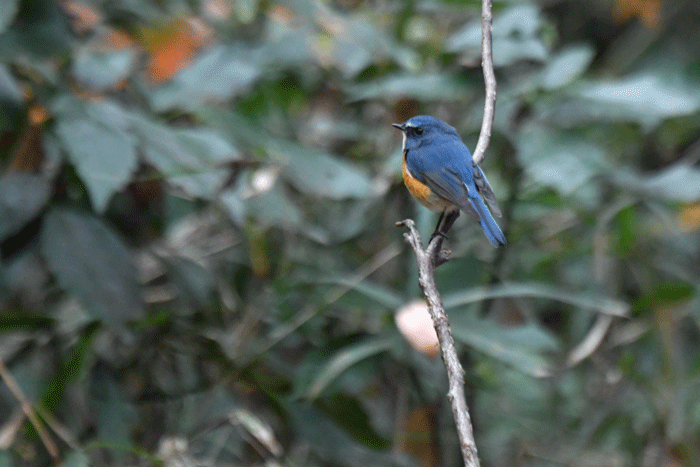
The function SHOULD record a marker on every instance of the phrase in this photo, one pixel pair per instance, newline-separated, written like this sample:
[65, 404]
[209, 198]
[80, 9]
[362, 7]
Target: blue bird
[439, 172]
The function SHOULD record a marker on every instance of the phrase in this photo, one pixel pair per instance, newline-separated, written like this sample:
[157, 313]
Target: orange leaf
[118, 39]
[648, 11]
[37, 114]
[172, 48]
[689, 218]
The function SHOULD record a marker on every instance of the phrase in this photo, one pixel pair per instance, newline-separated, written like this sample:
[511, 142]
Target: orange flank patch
[422, 192]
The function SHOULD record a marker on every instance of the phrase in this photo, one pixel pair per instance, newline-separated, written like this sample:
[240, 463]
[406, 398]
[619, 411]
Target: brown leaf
[419, 441]
[83, 17]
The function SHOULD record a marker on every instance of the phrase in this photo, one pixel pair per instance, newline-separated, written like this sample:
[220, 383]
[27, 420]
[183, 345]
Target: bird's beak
[399, 126]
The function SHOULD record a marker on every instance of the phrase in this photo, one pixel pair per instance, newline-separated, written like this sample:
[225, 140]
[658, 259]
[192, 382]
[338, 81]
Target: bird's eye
[419, 131]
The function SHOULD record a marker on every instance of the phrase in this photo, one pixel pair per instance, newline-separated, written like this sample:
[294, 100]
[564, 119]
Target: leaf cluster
[198, 258]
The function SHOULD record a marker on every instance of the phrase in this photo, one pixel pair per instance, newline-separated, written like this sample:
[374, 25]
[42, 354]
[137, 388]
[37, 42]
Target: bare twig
[592, 341]
[489, 82]
[28, 410]
[57, 427]
[428, 260]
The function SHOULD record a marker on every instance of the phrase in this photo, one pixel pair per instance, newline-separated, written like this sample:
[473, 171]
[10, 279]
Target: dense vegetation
[198, 256]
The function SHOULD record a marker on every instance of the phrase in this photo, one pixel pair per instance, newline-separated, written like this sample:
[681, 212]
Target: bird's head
[423, 129]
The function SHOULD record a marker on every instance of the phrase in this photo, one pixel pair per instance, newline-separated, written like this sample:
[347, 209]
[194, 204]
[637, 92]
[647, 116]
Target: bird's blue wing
[482, 184]
[448, 170]
[438, 167]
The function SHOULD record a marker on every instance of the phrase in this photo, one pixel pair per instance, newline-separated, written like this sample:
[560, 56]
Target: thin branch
[489, 82]
[433, 256]
[28, 411]
[428, 259]
[57, 427]
[591, 342]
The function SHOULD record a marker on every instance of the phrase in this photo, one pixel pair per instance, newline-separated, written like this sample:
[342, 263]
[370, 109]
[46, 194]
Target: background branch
[28, 410]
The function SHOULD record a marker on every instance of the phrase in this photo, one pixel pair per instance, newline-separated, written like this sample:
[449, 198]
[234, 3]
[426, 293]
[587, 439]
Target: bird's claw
[437, 233]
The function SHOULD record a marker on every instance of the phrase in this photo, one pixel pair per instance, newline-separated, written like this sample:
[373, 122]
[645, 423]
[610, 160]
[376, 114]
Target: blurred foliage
[198, 258]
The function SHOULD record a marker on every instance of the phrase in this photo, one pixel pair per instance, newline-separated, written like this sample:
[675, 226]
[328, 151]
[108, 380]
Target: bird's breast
[422, 192]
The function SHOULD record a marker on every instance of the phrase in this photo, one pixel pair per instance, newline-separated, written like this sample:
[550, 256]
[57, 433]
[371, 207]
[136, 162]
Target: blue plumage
[440, 173]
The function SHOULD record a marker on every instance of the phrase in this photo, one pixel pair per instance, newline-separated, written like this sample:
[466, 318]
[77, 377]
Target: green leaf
[647, 98]
[102, 141]
[76, 459]
[69, 369]
[290, 47]
[30, 368]
[627, 225]
[333, 444]
[9, 89]
[193, 280]
[204, 407]
[13, 322]
[677, 183]
[586, 300]
[344, 359]
[318, 173]
[22, 197]
[350, 413]
[90, 261]
[216, 76]
[309, 170]
[101, 148]
[102, 69]
[566, 66]
[523, 347]
[114, 416]
[664, 295]
[193, 160]
[380, 294]
[39, 29]
[8, 11]
[359, 44]
[515, 36]
[564, 161]
[270, 208]
[12, 111]
[347, 220]
[437, 86]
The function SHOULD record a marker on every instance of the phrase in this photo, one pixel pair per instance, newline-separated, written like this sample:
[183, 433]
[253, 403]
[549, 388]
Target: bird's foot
[437, 233]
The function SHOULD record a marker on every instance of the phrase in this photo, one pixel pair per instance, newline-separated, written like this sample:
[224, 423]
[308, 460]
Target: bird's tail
[488, 223]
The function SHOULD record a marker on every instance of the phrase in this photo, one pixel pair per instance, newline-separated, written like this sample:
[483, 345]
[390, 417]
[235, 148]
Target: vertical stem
[428, 259]
[489, 82]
